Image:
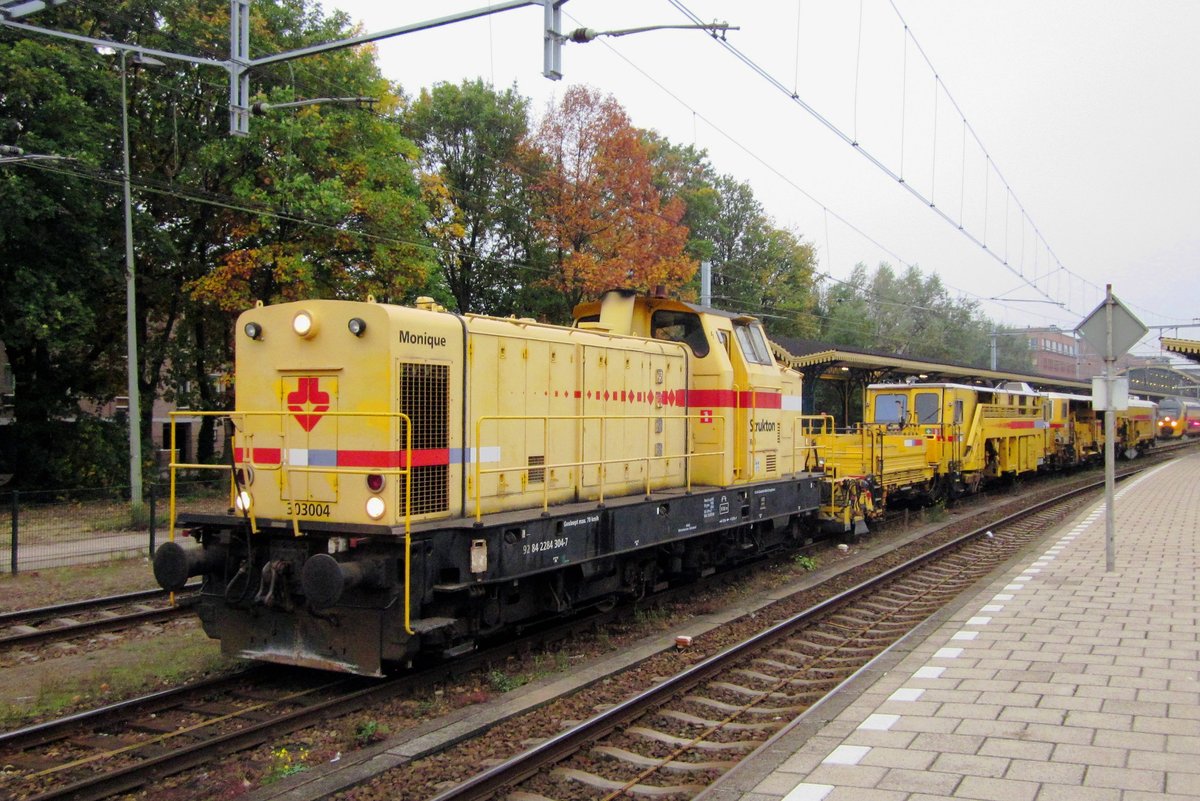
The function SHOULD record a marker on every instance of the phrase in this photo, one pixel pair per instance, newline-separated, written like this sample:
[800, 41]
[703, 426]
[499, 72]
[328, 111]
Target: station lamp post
[132, 370]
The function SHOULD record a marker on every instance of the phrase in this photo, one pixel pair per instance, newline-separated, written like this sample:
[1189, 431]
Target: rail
[600, 463]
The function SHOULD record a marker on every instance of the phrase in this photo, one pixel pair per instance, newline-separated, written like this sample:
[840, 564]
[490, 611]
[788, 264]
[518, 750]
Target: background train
[931, 442]
[410, 481]
[1178, 417]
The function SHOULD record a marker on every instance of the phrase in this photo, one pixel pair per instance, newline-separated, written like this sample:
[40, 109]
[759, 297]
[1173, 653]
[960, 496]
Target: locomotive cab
[743, 407]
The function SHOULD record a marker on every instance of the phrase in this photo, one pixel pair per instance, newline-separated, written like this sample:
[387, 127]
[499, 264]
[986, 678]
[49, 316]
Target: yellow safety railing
[601, 462]
[288, 471]
[805, 426]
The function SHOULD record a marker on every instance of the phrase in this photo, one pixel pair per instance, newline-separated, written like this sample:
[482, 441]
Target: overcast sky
[1083, 113]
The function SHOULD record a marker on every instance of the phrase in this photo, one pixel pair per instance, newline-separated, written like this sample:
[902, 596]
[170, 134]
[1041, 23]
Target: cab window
[891, 408]
[753, 344]
[958, 412]
[677, 326]
[928, 407]
[723, 340]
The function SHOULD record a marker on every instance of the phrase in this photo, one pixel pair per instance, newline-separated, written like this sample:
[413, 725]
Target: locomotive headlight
[375, 508]
[357, 326]
[253, 330]
[243, 501]
[304, 325]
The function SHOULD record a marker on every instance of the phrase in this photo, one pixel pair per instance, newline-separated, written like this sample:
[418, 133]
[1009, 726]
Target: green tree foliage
[475, 156]
[57, 285]
[911, 314]
[321, 201]
[758, 268]
[684, 172]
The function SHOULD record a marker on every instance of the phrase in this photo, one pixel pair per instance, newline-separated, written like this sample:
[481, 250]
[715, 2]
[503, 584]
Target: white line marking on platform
[992, 608]
[805, 791]
[1002, 597]
[879, 722]
[847, 755]
[906, 694]
[929, 672]
[948, 653]
[964, 635]
[979, 621]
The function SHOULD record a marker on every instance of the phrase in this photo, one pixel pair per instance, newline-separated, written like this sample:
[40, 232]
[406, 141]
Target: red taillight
[374, 482]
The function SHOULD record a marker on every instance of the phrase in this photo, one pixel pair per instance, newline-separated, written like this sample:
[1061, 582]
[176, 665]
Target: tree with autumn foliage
[606, 223]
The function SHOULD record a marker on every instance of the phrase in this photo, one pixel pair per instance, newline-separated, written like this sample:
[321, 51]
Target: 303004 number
[306, 509]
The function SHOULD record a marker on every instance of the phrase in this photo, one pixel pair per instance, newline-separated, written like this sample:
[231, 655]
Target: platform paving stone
[1057, 681]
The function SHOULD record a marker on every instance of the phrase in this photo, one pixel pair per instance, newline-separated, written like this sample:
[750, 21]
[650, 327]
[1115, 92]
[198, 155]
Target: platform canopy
[838, 362]
[1188, 348]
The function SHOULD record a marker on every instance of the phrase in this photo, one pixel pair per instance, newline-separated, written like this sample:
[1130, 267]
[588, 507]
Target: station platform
[1059, 681]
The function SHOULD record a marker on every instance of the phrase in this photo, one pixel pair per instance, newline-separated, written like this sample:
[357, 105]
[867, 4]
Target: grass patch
[57, 585]
[123, 670]
[503, 682]
[805, 563]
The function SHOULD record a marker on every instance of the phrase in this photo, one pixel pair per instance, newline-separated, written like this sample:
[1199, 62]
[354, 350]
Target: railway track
[123, 746]
[32, 627]
[129, 745]
[674, 739]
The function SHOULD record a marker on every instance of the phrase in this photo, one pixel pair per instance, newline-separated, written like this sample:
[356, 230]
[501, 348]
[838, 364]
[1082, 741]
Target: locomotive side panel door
[591, 443]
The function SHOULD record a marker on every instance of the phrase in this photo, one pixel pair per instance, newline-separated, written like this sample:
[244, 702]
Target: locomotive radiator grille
[425, 398]
[537, 473]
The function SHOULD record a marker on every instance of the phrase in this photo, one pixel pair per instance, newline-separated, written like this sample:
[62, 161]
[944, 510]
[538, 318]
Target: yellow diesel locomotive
[412, 481]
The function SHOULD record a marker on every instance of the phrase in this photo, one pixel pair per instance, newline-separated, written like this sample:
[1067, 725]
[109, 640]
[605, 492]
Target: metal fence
[53, 528]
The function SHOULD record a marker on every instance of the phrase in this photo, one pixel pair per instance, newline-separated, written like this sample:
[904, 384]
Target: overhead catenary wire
[851, 140]
[826, 211]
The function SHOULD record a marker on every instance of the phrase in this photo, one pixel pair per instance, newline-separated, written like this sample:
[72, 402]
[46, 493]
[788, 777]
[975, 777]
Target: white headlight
[243, 501]
[302, 324]
[375, 508]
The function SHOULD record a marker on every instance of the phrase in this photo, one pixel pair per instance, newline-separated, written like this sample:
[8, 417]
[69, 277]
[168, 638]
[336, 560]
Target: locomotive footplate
[517, 545]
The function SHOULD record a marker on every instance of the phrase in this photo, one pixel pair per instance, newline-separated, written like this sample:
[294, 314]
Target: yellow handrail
[601, 462]
[801, 431]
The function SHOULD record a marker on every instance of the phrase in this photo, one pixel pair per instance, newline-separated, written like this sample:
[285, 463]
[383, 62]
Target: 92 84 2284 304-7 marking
[545, 545]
